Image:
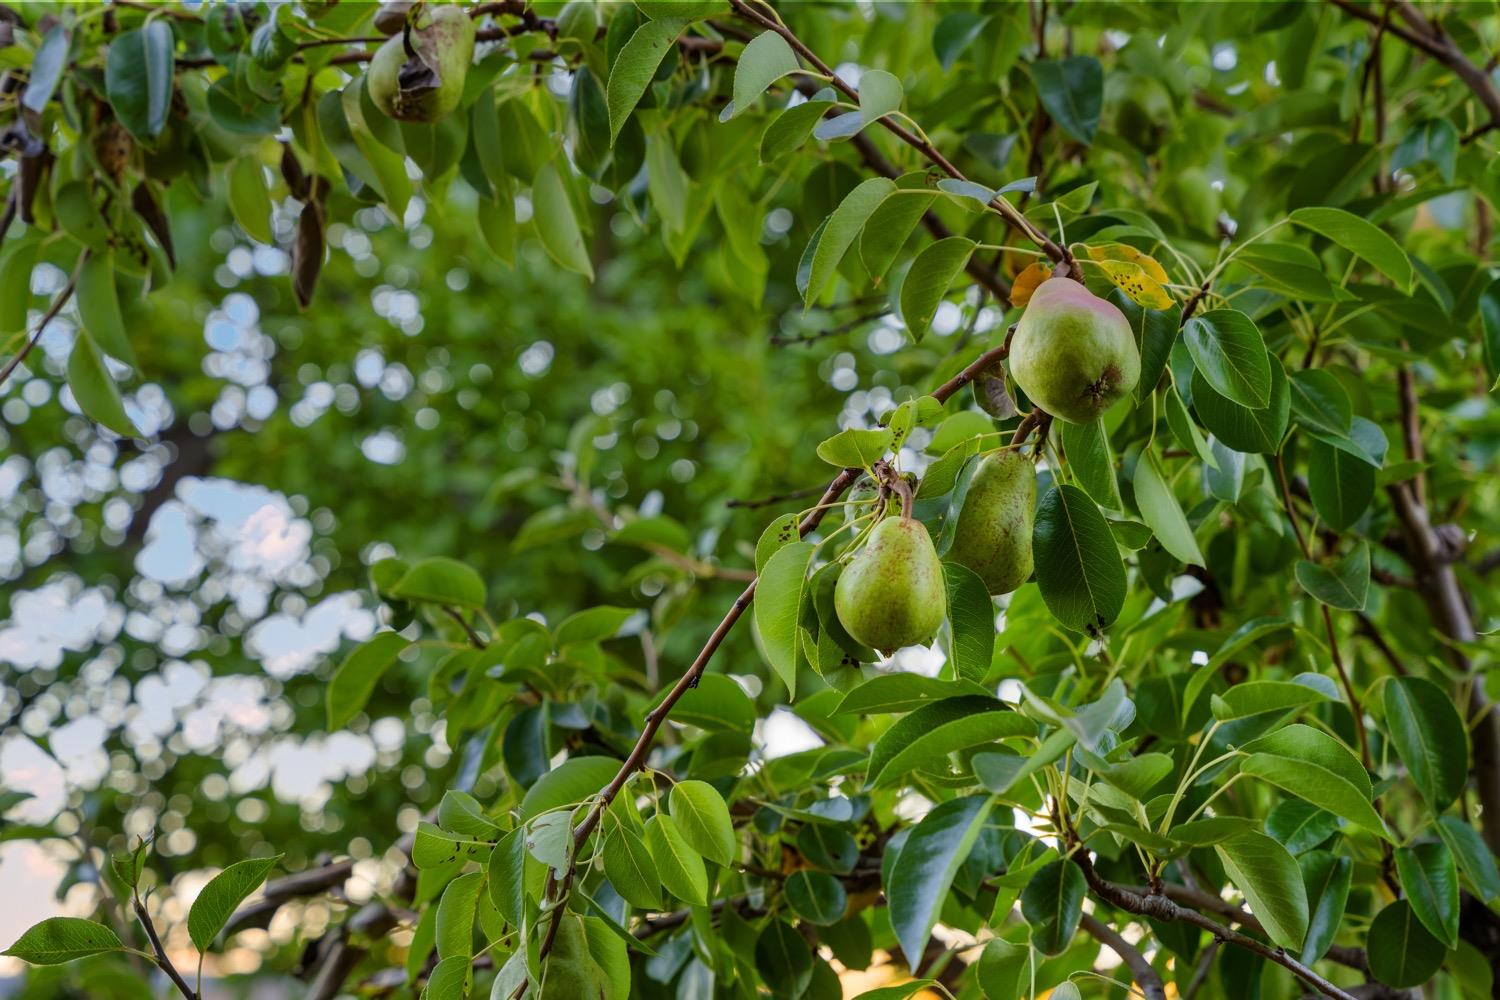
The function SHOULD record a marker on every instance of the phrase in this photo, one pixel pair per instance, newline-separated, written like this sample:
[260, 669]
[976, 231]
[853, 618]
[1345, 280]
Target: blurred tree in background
[402, 404]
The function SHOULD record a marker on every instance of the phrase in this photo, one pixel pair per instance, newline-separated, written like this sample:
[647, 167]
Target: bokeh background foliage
[366, 484]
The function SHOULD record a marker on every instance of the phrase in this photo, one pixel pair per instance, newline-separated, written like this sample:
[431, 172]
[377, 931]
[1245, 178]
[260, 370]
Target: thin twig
[775, 498]
[162, 960]
[47, 317]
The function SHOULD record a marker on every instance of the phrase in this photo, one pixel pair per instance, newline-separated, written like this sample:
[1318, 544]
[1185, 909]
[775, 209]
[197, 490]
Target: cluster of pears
[893, 593]
[1073, 353]
[418, 74]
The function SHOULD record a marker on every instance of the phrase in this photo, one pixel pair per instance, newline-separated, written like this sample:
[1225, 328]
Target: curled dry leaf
[1027, 282]
[307, 252]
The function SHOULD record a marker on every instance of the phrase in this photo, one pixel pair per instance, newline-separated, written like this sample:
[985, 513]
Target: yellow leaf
[1135, 282]
[1130, 255]
[1027, 281]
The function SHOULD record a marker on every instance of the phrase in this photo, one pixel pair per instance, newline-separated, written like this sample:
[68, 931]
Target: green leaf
[766, 59]
[1001, 772]
[556, 223]
[1403, 953]
[1241, 427]
[450, 979]
[99, 305]
[454, 934]
[926, 737]
[1229, 352]
[1078, 566]
[435, 847]
[901, 692]
[1254, 697]
[927, 281]
[856, 448]
[900, 991]
[569, 783]
[440, 580]
[1072, 91]
[94, 389]
[1341, 485]
[461, 813]
[1319, 786]
[507, 876]
[717, 703]
[924, 869]
[1160, 510]
[1052, 904]
[1320, 401]
[354, 681]
[1155, 332]
[790, 129]
[783, 958]
[17, 258]
[1272, 883]
[630, 868]
[999, 969]
[1315, 747]
[1092, 461]
[1325, 877]
[1346, 586]
[880, 93]
[1429, 877]
[47, 68]
[892, 223]
[1361, 239]
[57, 940]
[1435, 140]
[1300, 826]
[1489, 326]
[703, 818]
[138, 77]
[635, 66]
[249, 201]
[816, 897]
[549, 839]
[591, 625]
[1474, 858]
[778, 608]
[364, 155]
[222, 895]
[680, 867]
[1429, 736]
[841, 230]
[971, 622]
[780, 533]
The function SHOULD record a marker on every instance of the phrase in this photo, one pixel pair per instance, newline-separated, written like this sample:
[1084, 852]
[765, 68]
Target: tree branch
[921, 144]
[1159, 907]
[1140, 970]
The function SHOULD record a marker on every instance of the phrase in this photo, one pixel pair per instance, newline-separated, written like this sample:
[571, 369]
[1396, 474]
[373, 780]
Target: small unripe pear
[571, 972]
[993, 533]
[892, 592]
[426, 87]
[1073, 353]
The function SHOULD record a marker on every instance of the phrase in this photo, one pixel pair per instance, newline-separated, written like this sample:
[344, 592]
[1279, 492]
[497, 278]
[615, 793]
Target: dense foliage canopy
[443, 447]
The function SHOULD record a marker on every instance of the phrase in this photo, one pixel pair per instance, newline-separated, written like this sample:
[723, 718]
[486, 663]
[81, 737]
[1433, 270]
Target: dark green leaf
[138, 77]
[1361, 239]
[1403, 953]
[63, 939]
[1430, 737]
[1325, 877]
[1346, 585]
[1052, 904]
[816, 897]
[971, 622]
[94, 388]
[1230, 354]
[1078, 567]
[1429, 878]
[1072, 91]
[923, 871]
[355, 679]
[1272, 883]
[927, 281]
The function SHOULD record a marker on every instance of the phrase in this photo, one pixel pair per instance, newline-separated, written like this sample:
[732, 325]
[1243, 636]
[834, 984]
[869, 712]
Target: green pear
[892, 592]
[1144, 116]
[1073, 353]
[993, 533]
[428, 86]
[571, 972]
